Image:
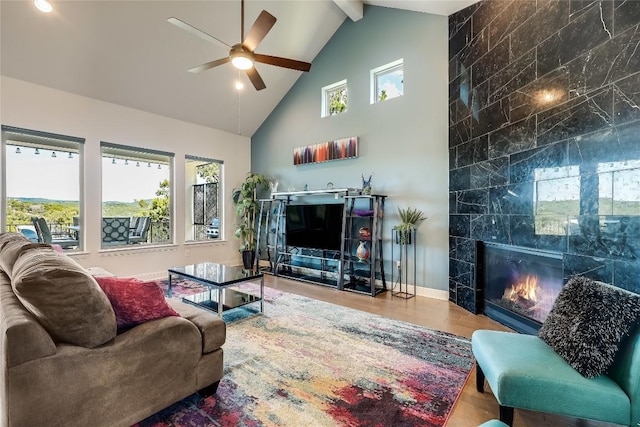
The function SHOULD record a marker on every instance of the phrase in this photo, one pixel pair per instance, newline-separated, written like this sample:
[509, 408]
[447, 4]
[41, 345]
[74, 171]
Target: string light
[70, 155]
[53, 154]
[37, 152]
[149, 164]
[137, 164]
[159, 167]
[18, 151]
[113, 161]
[126, 162]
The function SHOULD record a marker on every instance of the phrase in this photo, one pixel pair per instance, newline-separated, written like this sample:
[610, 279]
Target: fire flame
[527, 290]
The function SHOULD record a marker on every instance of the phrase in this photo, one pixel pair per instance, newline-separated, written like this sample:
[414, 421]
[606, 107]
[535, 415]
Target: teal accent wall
[403, 141]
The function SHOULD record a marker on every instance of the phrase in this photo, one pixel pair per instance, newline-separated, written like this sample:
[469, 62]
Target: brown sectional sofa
[63, 362]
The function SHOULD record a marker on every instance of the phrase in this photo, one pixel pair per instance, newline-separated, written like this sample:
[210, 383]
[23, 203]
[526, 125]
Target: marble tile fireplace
[519, 284]
[544, 118]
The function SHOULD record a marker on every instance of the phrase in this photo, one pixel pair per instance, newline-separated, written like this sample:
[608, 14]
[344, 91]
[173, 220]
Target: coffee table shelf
[227, 287]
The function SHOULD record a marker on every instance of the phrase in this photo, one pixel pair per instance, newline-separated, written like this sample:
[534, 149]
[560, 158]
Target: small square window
[334, 99]
[387, 82]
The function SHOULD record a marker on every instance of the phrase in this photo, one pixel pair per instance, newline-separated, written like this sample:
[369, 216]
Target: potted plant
[410, 220]
[246, 200]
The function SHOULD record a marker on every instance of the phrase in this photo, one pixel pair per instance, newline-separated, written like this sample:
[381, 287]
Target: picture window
[43, 197]
[141, 213]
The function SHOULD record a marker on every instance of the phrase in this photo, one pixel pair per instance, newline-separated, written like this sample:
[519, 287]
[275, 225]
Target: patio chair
[45, 236]
[115, 231]
[139, 235]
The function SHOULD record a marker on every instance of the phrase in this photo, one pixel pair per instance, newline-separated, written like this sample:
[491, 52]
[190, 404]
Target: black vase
[248, 259]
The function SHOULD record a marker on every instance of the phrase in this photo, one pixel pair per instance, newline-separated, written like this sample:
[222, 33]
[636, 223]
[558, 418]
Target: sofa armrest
[23, 337]
[211, 327]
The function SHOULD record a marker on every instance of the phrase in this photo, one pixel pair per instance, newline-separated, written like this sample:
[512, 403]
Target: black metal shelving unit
[362, 226]
[339, 269]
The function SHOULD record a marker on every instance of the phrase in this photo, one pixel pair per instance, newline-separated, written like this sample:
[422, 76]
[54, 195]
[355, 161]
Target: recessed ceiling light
[43, 5]
[239, 85]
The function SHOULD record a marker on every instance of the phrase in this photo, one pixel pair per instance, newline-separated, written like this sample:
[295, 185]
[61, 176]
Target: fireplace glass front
[520, 285]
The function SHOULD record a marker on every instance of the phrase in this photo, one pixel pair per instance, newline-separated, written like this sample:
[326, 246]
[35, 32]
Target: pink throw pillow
[135, 301]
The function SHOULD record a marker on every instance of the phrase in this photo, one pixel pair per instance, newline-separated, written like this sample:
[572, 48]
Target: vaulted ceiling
[126, 53]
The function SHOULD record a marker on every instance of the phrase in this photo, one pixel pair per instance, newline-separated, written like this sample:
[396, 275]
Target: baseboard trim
[432, 293]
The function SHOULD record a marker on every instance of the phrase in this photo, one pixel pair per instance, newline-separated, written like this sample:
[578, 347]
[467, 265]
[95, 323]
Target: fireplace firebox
[519, 284]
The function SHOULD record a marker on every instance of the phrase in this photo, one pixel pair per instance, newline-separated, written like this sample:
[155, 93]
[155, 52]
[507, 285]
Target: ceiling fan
[242, 55]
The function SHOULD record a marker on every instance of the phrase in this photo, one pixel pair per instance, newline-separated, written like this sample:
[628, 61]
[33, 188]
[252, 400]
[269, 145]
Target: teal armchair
[524, 372]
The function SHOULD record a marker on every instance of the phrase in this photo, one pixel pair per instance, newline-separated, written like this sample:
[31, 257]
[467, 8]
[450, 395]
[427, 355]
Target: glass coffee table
[227, 285]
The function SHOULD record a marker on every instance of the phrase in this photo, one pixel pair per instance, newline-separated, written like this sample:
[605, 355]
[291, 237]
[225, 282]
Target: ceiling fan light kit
[242, 55]
[240, 58]
[43, 5]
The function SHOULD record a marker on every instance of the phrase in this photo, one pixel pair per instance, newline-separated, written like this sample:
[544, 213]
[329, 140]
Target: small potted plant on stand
[410, 220]
[405, 236]
[246, 200]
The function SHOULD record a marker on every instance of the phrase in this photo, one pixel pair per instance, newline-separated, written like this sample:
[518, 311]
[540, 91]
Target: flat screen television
[314, 226]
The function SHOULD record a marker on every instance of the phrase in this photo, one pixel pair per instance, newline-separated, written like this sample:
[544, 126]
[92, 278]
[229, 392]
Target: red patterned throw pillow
[135, 301]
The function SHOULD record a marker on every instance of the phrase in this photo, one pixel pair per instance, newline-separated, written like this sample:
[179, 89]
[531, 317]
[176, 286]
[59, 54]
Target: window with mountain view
[42, 192]
[203, 199]
[136, 196]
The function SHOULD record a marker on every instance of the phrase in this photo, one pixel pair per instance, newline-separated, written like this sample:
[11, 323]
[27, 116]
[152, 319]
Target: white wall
[35, 107]
[403, 141]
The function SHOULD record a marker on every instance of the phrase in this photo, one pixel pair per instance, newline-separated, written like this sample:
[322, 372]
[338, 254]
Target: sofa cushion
[64, 298]
[587, 323]
[23, 337]
[211, 327]
[9, 236]
[10, 250]
[134, 301]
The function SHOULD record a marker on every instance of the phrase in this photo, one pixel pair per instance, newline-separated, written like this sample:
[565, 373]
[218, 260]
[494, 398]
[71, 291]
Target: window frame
[143, 155]
[189, 199]
[327, 91]
[382, 71]
[43, 140]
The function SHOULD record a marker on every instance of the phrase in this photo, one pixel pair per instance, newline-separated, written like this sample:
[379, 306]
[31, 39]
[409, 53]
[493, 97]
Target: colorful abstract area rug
[310, 363]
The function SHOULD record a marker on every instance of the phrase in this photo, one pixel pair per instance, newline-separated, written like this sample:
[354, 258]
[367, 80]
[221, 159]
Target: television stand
[341, 269]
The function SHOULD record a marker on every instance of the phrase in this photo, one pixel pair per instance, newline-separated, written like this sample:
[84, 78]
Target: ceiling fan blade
[255, 78]
[283, 62]
[209, 65]
[259, 30]
[196, 32]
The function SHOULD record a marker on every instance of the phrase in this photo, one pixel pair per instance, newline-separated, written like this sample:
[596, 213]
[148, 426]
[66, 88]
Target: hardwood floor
[472, 408]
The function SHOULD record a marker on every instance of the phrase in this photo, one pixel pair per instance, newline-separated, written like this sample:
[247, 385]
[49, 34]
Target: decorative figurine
[273, 186]
[366, 185]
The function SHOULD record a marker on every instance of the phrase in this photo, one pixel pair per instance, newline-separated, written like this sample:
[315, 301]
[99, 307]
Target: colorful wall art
[344, 148]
